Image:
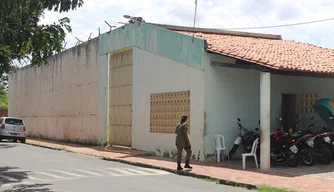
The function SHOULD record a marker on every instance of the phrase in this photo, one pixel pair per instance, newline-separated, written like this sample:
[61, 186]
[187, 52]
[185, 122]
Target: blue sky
[211, 13]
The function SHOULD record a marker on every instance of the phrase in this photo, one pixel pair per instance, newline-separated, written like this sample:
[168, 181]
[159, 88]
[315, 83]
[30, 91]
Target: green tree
[22, 37]
[3, 96]
[4, 91]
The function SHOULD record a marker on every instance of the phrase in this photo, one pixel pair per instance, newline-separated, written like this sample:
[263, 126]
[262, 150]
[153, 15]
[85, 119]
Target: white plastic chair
[252, 153]
[219, 144]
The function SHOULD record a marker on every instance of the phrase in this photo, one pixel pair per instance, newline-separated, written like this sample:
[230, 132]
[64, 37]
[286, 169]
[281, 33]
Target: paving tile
[316, 178]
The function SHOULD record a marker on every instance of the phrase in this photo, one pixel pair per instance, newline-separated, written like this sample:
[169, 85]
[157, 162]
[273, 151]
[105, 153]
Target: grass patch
[211, 180]
[265, 188]
[42, 146]
[86, 143]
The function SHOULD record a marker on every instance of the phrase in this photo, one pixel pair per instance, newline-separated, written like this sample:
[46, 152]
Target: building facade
[130, 86]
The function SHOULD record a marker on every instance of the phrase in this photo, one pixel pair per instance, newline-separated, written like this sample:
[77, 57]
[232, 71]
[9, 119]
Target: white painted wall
[230, 93]
[298, 85]
[155, 74]
[59, 100]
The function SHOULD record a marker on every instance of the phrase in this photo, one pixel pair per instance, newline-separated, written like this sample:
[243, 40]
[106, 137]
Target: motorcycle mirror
[256, 129]
[238, 119]
[280, 118]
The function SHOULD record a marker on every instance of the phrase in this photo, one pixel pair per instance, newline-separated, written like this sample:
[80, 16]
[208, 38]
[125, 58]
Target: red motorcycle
[283, 148]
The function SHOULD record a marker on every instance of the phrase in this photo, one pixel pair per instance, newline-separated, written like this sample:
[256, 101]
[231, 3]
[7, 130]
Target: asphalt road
[26, 168]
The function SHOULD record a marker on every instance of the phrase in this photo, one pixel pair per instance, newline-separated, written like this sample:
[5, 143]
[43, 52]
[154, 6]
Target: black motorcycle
[320, 143]
[245, 138]
[329, 140]
[282, 148]
[305, 152]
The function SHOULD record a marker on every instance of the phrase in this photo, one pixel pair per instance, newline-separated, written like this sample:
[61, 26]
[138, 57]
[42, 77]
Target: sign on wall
[306, 102]
[166, 110]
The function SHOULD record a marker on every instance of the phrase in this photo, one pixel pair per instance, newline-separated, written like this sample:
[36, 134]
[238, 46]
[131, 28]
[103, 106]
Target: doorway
[289, 111]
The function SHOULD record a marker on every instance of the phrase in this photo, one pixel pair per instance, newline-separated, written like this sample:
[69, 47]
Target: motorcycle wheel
[307, 155]
[233, 150]
[326, 155]
[331, 148]
[291, 159]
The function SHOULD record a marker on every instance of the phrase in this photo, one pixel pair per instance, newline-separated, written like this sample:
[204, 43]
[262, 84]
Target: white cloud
[211, 13]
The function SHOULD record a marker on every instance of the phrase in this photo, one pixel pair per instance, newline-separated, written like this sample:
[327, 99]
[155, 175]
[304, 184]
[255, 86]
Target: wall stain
[158, 151]
[166, 154]
[173, 153]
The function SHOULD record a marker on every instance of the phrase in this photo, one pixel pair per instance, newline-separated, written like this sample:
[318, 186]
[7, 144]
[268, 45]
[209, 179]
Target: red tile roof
[272, 53]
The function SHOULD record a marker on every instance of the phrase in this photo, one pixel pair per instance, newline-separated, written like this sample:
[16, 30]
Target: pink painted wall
[59, 100]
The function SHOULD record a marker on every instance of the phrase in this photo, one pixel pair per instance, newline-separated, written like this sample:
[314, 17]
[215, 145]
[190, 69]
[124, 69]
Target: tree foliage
[3, 96]
[4, 91]
[21, 36]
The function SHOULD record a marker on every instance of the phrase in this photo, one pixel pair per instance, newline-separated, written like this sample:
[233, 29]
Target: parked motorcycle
[282, 148]
[330, 141]
[319, 143]
[305, 152]
[245, 138]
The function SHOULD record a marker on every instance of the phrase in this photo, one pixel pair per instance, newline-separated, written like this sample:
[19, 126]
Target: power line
[276, 26]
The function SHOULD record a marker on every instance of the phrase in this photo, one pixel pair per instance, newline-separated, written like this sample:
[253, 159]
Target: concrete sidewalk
[249, 178]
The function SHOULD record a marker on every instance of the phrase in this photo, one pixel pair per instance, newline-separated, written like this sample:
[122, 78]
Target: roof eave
[252, 65]
[217, 31]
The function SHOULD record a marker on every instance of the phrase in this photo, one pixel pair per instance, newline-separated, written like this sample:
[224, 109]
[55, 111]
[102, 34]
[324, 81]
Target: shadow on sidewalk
[125, 151]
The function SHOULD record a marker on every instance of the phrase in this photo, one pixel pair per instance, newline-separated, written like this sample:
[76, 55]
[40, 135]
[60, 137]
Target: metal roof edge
[217, 31]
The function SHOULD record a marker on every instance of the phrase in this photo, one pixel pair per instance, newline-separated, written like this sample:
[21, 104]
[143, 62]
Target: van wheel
[23, 141]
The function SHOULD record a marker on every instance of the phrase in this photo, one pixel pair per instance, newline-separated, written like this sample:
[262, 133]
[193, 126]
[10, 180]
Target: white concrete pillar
[265, 120]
